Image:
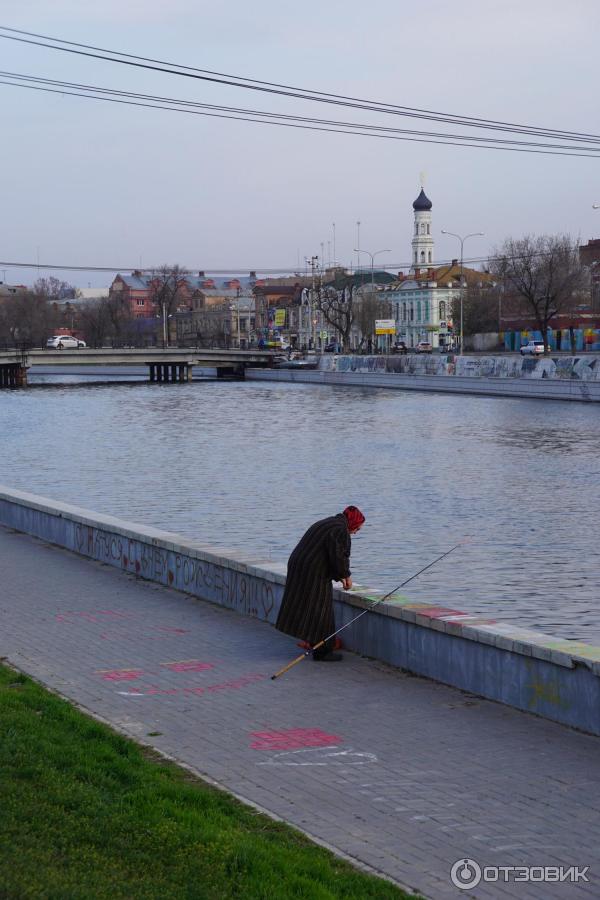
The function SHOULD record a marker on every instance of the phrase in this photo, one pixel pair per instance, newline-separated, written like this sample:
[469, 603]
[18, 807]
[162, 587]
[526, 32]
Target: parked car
[64, 342]
[399, 347]
[424, 347]
[532, 347]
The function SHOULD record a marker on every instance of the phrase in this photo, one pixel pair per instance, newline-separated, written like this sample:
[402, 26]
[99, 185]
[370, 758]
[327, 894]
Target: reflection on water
[250, 465]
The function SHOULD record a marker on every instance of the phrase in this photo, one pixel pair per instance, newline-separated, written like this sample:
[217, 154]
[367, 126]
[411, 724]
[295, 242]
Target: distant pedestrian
[321, 556]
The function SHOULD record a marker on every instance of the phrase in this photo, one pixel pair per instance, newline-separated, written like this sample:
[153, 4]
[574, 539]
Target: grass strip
[87, 813]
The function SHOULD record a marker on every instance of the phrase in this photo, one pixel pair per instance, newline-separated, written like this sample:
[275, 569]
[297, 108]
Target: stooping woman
[321, 556]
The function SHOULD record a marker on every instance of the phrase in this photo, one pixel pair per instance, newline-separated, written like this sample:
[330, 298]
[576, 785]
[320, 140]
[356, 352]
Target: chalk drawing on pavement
[321, 756]
[234, 684]
[293, 739]
[187, 665]
[119, 674]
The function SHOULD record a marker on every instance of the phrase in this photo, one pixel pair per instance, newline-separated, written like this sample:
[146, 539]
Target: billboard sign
[385, 326]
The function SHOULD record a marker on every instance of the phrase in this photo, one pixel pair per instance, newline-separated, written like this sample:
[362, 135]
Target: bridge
[164, 365]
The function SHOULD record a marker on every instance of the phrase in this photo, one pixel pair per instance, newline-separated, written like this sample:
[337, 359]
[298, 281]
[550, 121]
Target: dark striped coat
[322, 556]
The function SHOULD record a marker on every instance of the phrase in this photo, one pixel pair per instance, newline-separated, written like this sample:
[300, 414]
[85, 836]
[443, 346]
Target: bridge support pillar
[175, 373]
[13, 375]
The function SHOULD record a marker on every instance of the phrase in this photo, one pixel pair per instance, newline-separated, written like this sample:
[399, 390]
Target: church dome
[422, 202]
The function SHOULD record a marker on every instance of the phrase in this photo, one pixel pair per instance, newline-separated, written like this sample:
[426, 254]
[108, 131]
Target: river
[249, 465]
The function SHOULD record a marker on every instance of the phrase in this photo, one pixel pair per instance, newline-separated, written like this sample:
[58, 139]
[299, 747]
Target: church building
[423, 300]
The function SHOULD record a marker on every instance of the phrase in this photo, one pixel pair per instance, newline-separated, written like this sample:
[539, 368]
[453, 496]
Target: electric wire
[289, 271]
[177, 105]
[442, 139]
[285, 90]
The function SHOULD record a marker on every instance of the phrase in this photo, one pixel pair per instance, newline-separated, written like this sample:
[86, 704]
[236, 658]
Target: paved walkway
[405, 775]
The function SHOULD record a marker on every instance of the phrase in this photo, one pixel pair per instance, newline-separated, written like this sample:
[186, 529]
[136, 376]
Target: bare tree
[542, 273]
[480, 308]
[338, 307]
[370, 308]
[95, 322]
[120, 316]
[27, 319]
[53, 289]
[168, 289]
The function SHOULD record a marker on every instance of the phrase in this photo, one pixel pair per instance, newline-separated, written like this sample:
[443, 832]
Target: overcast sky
[91, 183]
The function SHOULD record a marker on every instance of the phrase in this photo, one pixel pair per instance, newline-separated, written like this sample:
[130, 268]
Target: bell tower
[422, 242]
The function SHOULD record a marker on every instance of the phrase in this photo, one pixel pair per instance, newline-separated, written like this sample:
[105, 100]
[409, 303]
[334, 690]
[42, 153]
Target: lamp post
[312, 321]
[372, 255]
[233, 308]
[462, 242]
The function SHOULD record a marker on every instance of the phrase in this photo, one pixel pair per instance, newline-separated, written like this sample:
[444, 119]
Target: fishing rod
[369, 608]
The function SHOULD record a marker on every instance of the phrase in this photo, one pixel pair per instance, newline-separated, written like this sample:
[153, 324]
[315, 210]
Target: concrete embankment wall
[558, 378]
[555, 678]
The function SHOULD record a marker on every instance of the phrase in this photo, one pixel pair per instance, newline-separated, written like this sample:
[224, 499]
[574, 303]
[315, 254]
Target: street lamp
[233, 307]
[462, 242]
[372, 255]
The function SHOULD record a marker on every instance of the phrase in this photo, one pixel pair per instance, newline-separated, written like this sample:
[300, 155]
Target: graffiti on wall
[247, 594]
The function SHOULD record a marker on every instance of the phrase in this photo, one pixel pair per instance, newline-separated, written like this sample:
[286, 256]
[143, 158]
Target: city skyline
[94, 183]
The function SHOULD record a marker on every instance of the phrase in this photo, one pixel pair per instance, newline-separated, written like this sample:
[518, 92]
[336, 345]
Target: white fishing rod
[365, 611]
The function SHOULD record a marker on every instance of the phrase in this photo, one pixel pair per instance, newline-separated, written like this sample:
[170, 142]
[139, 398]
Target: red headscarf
[354, 517]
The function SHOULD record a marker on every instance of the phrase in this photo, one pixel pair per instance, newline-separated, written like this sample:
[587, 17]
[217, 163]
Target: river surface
[250, 465]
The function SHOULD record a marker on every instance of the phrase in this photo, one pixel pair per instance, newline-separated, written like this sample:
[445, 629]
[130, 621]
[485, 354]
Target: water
[250, 465]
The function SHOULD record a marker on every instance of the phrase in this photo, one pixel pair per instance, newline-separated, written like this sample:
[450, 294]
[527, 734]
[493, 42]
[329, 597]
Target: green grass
[86, 813]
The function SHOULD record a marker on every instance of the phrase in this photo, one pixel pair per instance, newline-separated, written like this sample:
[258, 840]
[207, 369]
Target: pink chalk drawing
[234, 685]
[293, 739]
[120, 674]
[188, 665]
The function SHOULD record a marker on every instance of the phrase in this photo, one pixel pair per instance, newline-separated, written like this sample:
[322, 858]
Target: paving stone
[403, 774]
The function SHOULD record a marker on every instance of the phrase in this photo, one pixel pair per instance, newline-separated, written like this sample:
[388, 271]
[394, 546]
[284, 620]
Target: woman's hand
[346, 583]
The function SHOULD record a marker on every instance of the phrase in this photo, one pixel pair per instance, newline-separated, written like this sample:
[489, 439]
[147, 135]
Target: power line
[185, 104]
[290, 271]
[286, 90]
[90, 92]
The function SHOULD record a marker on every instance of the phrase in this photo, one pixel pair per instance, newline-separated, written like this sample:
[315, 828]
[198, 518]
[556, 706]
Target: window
[418, 310]
[404, 311]
[422, 256]
[412, 312]
[422, 229]
[428, 232]
[140, 301]
[442, 310]
[430, 256]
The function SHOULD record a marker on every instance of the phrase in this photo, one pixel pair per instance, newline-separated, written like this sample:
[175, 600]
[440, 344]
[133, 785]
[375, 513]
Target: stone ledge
[514, 638]
[525, 668]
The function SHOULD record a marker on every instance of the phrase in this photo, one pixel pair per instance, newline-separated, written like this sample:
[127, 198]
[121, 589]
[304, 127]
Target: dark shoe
[328, 657]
